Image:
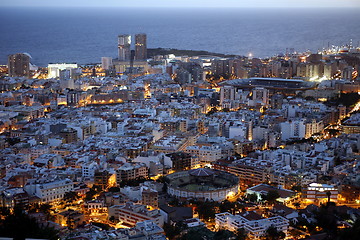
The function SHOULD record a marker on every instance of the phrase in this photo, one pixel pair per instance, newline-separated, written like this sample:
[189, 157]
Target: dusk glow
[185, 3]
[180, 119]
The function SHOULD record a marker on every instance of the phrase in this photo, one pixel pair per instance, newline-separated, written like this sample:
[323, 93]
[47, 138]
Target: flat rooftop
[269, 83]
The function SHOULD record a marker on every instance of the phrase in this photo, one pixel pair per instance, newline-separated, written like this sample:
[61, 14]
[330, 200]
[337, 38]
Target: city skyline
[186, 3]
[205, 119]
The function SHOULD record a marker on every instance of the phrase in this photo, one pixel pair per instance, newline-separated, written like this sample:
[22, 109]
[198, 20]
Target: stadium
[203, 184]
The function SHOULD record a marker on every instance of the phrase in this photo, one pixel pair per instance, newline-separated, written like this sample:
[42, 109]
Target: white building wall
[292, 129]
[237, 131]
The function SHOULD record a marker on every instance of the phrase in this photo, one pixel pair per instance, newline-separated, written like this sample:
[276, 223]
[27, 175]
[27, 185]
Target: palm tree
[296, 204]
[328, 194]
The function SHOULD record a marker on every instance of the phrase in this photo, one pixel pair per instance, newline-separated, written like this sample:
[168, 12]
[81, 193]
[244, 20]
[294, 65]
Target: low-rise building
[47, 190]
[254, 224]
[206, 154]
[352, 125]
[130, 171]
[96, 206]
[150, 197]
[181, 161]
[250, 171]
[263, 189]
[318, 193]
[130, 214]
[70, 218]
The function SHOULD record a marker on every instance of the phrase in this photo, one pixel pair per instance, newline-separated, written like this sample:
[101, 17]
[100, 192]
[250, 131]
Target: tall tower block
[19, 65]
[140, 47]
[124, 43]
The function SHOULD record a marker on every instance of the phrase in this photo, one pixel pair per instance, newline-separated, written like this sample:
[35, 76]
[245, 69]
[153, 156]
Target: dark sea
[84, 35]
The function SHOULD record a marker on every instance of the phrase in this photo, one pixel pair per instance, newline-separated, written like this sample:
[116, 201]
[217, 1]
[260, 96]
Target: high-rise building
[140, 47]
[69, 135]
[54, 70]
[106, 63]
[124, 43]
[19, 65]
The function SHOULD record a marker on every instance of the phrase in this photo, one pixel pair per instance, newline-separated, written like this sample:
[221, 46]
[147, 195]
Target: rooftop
[201, 172]
[269, 83]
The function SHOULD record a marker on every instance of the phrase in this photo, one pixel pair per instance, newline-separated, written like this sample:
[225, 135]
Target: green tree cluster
[271, 196]
[19, 226]
[273, 234]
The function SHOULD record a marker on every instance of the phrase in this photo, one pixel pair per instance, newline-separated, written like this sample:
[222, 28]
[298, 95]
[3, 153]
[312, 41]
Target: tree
[206, 210]
[297, 204]
[70, 197]
[227, 206]
[326, 220]
[328, 194]
[296, 188]
[101, 225]
[114, 189]
[333, 132]
[172, 231]
[212, 110]
[174, 202]
[253, 197]
[19, 225]
[198, 233]
[223, 234]
[295, 233]
[93, 191]
[112, 219]
[346, 99]
[133, 182]
[4, 211]
[352, 233]
[273, 234]
[239, 206]
[240, 234]
[46, 208]
[271, 196]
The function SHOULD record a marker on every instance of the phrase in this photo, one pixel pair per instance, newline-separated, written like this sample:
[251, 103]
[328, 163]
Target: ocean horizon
[84, 35]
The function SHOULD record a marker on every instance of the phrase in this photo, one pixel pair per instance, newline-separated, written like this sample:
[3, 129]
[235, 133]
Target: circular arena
[203, 184]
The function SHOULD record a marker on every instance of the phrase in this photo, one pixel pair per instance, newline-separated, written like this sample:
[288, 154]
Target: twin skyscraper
[124, 47]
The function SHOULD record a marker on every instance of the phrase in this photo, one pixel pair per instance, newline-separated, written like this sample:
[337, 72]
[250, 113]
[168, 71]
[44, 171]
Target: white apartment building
[261, 95]
[239, 129]
[227, 93]
[49, 191]
[88, 169]
[37, 151]
[96, 206]
[131, 171]
[300, 128]
[106, 63]
[55, 68]
[317, 193]
[205, 154]
[254, 224]
[130, 214]
[293, 129]
[313, 126]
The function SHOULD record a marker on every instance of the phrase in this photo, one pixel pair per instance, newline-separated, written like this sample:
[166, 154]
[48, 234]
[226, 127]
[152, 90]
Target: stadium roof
[201, 172]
